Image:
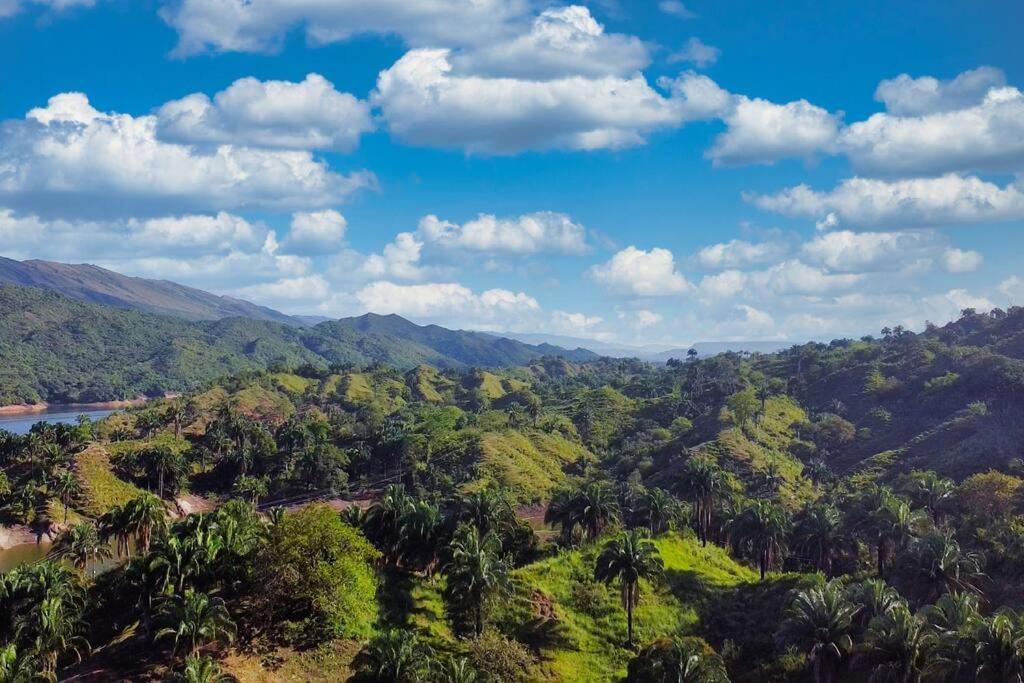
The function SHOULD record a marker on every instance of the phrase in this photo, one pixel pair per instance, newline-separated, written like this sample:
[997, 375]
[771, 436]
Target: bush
[317, 575]
[667, 658]
[500, 658]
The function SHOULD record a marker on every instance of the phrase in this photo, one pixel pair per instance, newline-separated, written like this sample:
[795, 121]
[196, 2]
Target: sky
[632, 171]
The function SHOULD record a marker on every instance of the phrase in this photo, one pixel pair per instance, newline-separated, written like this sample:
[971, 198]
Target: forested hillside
[61, 350]
[843, 512]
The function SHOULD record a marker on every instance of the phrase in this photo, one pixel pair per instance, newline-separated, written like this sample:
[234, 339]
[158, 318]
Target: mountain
[98, 285]
[656, 353]
[60, 350]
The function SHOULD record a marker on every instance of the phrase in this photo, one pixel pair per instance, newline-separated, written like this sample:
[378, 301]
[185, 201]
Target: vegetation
[840, 512]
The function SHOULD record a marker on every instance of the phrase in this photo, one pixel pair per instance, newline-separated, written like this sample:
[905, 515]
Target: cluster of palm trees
[36, 468]
[869, 627]
[583, 512]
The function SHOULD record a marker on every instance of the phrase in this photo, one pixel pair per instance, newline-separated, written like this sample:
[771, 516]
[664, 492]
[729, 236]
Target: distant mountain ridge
[62, 350]
[650, 352]
[101, 286]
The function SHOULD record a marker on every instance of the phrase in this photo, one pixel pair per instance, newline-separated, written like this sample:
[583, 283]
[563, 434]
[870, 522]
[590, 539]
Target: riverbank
[20, 409]
[11, 536]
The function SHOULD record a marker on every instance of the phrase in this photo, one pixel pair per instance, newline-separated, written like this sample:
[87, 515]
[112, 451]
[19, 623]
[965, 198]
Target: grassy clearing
[531, 462]
[332, 661]
[101, 489]
[292, 384]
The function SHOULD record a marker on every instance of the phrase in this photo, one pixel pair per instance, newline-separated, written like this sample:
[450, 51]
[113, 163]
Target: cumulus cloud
[8, 8]
[315, 232]
[1013, 289]
[69, 158]
[527, 234]
[565, 322]
[246, 26]
[697, 52]
[988, 135]
[738, 253]
[961, 261]
[867, 203]
[399, 259]
[635, 272]
[311, 114]
[562, 42]
[425, 103]
[640, 318]
[907, 96]
[849, 251]
[763, 132]
[725, 285]
[445, 301]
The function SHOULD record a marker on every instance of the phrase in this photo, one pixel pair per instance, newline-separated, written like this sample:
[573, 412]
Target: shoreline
[20, 409]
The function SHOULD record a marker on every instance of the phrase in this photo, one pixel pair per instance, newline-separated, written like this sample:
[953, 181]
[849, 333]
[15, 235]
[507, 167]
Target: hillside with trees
[850, 511]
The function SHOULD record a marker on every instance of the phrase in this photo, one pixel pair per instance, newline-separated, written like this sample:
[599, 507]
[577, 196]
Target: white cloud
[9, 8]
[493, 308]
[311, 114]
[425, 103]
[907, 96]
[961, 261]
[697, 52]
[69, 158]
[400, 259]
[527, 234]
[1013, 289]
[865, 202]
[738, 253]
[725, 285]
[562, 42]
[762, 132]
[564, 322]
[309, 288]
[316, 231]
[635, 272]
[947, 306]
[986, 136]
[640, 318]
[849, 251]
[676, 9]
[246, 26]
[796, 277]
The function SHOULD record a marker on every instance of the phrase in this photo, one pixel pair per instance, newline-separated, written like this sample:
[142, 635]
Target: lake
[20, 424]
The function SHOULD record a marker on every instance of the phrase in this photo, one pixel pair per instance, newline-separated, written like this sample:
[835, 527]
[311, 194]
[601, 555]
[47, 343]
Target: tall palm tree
[195, 619]
[115, 523]
[80, 544]
[935, 564]
[820, 621]
[896, 647]
[487, 510]
[67, 488]
[1000, 648]
[819, 533]
[628, 559]
[896, 524]
[929, 491]
[384, 521]
[476, 573]
[166, 463]
[420, 531]
[955, 618]
[703, 483]
[874, 598]
[145, 516]
[760, 531]
[656, 509]
[53, 626]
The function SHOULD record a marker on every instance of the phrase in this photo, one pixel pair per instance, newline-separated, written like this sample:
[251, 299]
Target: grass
[583, 638]
[331, 661]
[291, 384]
[101, 489]
[529, 462]
[262, 404]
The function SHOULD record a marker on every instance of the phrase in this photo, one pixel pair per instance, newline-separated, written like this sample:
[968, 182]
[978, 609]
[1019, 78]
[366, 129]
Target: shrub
[317, 575]
[500, 658]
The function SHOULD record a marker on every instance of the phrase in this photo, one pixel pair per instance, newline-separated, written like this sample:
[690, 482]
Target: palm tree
[67, 488]
[420, 530]
[628, 559]
[397, 656]
[144, 516]
[935, 564]
[595, 508]
[656, 509]
[115, 523]
[384, 521]
[487, 510]
[820, 621]
[476, 572]
[760, 530]
[165, 462]
[929, 491]
[702, 483]
[15, 668]
[818, 533]
[956, 620]
[896, 523]
[53, 626]
[201, 670]
[195, 619]
[896, 647]
[1000, 648]
[678, 659]
[80, 544]
[874, 598]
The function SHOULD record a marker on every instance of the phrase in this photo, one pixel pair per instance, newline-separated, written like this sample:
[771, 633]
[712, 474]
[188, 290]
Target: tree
[397, 656]
[476, 573]
[743, 405]
[15, 668]
[820, 621]
[591, 507]
[80, 544]
[656, 509]
[896, 646]
[144, 516]
[818, 533]
[67, 488]
[935, 564]
[895, 523]
[929, 491]
[1000, 648]
[195, 619]
[166, 464]
[628, 559]
[316, 572]
[678, 660]
[955, 620]
[760, 531]
[703, 483]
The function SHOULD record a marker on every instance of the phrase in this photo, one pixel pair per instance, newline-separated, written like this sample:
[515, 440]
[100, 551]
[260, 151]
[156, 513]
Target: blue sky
[641, 172]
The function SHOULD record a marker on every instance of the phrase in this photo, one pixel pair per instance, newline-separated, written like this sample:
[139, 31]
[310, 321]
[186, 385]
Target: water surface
[20, 424]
